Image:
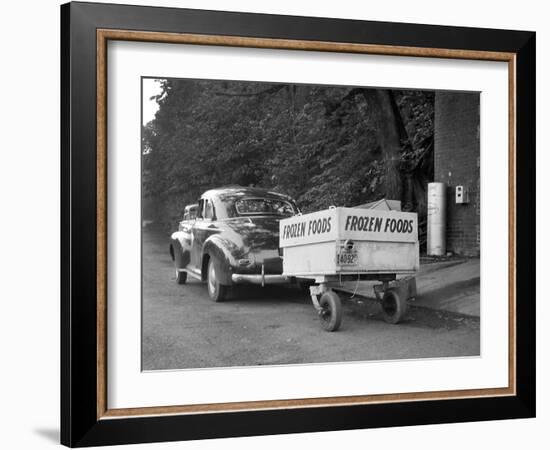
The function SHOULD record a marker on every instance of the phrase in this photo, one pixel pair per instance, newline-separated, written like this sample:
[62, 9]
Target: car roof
[242, 190]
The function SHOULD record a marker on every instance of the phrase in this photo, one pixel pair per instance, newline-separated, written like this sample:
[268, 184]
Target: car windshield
[262, 206]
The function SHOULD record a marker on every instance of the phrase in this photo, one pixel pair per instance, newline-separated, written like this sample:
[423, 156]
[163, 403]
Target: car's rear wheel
[216, 290]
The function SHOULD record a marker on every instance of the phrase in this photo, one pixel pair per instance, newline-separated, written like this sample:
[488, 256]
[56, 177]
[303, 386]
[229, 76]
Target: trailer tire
[394, 306]
[331, 312]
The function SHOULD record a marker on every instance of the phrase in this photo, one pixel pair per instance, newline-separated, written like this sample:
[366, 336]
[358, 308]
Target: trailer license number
[347, 258]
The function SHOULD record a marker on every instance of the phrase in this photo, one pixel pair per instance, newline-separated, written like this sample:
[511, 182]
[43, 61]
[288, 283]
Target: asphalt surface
[183, 328]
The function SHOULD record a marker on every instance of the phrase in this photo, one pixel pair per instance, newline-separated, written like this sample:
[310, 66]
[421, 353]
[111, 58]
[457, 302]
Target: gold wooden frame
[104, 35]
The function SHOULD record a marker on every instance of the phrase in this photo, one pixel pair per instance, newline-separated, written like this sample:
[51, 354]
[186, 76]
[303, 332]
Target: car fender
[217, 247]
[180, 249]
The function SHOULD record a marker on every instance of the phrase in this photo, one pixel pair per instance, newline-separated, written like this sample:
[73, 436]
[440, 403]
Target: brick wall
[456, 162]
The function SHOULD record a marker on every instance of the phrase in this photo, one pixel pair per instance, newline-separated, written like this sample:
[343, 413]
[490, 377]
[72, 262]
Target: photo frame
[86, 418]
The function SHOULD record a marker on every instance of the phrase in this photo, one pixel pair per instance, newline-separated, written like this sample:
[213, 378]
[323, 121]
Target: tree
[322, 145]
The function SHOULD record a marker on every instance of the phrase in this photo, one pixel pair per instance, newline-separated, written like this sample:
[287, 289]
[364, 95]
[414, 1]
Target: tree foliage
[322, 145]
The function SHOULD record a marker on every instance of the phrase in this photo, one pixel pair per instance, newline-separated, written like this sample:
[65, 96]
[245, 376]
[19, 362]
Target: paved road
[183, 328]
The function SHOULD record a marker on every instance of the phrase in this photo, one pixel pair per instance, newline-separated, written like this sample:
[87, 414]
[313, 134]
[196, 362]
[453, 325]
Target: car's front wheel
[181, 276]
[216, 290]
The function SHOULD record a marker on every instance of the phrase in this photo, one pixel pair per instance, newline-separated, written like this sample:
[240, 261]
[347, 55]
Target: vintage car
[233, 239]
[190, 212]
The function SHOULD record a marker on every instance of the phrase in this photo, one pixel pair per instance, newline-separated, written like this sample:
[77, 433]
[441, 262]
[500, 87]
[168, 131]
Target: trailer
[328, 247]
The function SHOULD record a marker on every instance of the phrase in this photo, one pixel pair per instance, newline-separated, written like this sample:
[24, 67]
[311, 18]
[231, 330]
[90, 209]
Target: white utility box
[345, 241]
[462, 196]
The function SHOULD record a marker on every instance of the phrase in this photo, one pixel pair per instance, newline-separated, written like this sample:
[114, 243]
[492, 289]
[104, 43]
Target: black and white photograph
[275, 225]
[289, 223]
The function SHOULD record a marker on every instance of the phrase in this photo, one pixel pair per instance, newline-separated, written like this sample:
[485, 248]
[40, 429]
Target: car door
[195, 232]
[204, 227]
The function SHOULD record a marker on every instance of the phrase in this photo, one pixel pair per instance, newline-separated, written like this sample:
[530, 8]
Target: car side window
[208, 210]
[200, 209]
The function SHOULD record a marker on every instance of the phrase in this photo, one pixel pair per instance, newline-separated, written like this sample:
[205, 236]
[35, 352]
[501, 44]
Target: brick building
[456, 163]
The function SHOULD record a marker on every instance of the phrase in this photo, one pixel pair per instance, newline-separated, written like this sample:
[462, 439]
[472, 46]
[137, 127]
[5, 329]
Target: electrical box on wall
[461, 194]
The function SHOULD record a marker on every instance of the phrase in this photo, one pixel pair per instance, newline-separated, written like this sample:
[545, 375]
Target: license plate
[346, 258]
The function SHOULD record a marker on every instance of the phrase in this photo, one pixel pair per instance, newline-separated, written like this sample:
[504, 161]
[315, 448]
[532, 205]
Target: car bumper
[260, 279]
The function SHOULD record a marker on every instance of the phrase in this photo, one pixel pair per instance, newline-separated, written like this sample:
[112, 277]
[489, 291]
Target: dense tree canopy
[322, 145]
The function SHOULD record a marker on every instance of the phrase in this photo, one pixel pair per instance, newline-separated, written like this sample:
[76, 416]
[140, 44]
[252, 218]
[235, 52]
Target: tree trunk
[388, 123]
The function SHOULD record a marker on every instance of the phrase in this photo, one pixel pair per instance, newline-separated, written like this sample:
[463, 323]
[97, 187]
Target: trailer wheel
[331, 312]
[394, 306]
